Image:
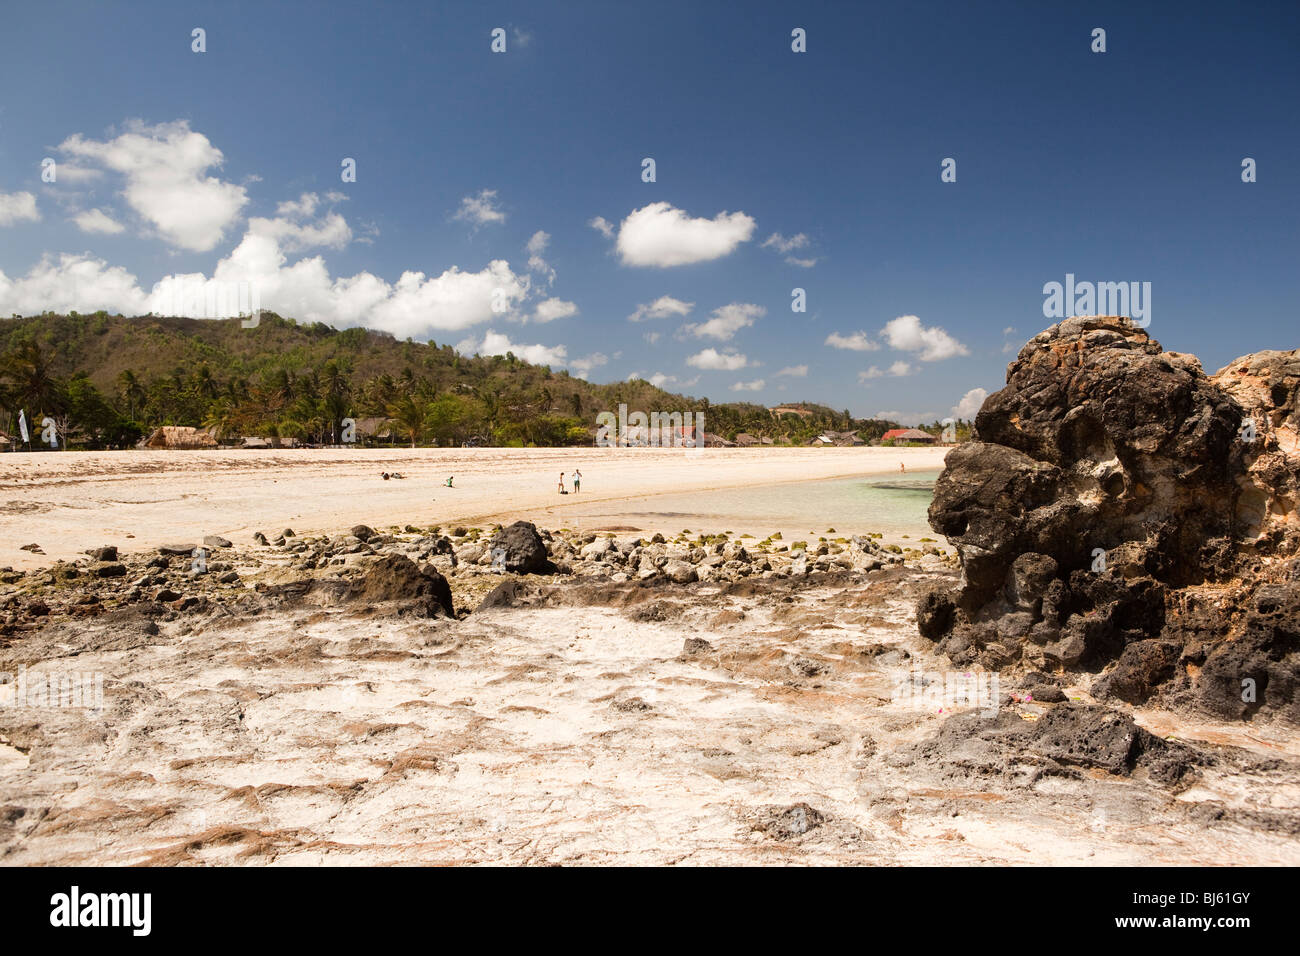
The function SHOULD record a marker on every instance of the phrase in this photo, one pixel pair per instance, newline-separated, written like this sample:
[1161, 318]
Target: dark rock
[363, 532]
[108, 569]
[216, 541]
[504, 594]
[525, 551]
[174, 550]
[395, 577]
[166, 596]
[1104, 485]
[106, 553]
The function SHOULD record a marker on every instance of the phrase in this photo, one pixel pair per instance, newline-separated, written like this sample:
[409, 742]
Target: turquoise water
[890, 504]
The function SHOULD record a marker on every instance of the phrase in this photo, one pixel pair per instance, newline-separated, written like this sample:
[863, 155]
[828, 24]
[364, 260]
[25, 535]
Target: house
[905, 435]
[175, 437]
[745, 440]
[374, 427]
[840, 439]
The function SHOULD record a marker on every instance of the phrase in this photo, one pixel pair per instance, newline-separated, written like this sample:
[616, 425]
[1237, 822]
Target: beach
[66, 502]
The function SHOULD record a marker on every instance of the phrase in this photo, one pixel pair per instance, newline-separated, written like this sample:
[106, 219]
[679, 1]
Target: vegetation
[109, 380]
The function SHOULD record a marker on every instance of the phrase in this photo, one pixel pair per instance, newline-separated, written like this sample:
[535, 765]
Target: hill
[109, 379]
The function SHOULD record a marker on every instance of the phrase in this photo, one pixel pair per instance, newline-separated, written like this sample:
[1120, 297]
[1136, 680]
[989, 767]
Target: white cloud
[651, 337]
[970, 403]
[727, 321]
[754, 386]
[72, 283]
[907, 334]
[535, 247]
[301, 208]
[898, 370]
[783, 245]
[795, 371]
[521, 37]
[18, 207]
[854, 342]
[494, 343]
[801, 263]
[98, 221]
[661, 235]
[718, 361]
[582, 366]
[660, 380]
[661, 308]
[166, 167]
[548, 310]
[481, 209]
[602, 226]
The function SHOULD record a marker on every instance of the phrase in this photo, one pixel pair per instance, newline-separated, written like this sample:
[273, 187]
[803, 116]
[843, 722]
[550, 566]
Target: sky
[500, 200]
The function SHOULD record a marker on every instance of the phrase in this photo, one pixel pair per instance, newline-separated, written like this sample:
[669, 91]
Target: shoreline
[141, 499]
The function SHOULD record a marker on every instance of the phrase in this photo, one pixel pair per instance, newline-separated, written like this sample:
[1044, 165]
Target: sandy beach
[67, 502]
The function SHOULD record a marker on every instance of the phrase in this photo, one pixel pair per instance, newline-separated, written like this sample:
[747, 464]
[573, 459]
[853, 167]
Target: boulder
[396, 578]
[1106, 488]
[525, 551]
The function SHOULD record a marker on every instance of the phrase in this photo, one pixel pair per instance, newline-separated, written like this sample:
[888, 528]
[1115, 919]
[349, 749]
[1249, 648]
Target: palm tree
[130, 390]
[34, 385]
[409, 417]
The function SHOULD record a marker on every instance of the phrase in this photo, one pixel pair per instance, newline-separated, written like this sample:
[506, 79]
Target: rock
[106, 553]
[396, 578]
[33, 548]
[597, 549]
[259, 538]
[362, 532]
[504, 594]
[788, 823]
[1104, 487]
[230, 577]
[679, 572]
[525, 551]
[166, 596]
[108, 569]
[174, 550]
[216, 541]
[696, 647]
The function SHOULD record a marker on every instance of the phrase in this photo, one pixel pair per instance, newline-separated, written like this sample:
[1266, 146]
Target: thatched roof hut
[174, 437]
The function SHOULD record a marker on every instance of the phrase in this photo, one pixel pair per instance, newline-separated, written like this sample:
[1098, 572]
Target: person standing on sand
[577, 480]
[561, 483]
[902, 467]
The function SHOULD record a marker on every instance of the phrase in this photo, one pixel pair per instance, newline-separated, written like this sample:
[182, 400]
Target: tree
[409, 417]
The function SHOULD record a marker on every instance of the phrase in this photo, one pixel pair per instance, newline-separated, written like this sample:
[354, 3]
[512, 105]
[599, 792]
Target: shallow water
[891, 504]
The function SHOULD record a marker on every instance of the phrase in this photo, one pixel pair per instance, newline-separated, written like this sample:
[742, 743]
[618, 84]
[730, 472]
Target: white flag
[22, 425]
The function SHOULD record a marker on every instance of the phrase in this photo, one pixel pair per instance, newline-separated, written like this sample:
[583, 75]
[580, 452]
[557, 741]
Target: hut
[175, 437]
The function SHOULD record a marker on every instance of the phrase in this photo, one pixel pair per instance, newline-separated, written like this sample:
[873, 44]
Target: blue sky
[224, 166]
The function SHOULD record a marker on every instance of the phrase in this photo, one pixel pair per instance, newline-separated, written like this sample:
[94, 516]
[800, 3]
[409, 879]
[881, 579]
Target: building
[905, 435]
[176, 437]
[839, 439]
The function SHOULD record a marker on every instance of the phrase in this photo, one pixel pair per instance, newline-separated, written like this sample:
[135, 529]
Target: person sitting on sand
[449, 482]
[384, 475]
[577, 480]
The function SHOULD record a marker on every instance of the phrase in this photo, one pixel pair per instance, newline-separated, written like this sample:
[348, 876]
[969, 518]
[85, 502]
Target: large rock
[1116, 512]
[525, 551]
[396, 578]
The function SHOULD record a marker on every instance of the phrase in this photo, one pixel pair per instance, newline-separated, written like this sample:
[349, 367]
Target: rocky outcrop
[1120, 512]
[524, 551]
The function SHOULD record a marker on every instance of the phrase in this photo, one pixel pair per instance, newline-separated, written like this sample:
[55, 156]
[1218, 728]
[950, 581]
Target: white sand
[69, 501]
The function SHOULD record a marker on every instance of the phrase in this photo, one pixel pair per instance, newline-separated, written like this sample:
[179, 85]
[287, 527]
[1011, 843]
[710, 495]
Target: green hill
[108, 379]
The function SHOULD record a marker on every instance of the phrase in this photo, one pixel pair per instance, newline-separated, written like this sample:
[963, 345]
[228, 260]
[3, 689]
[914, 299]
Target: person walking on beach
[902, 468]
[561, 483]
[577, 480]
